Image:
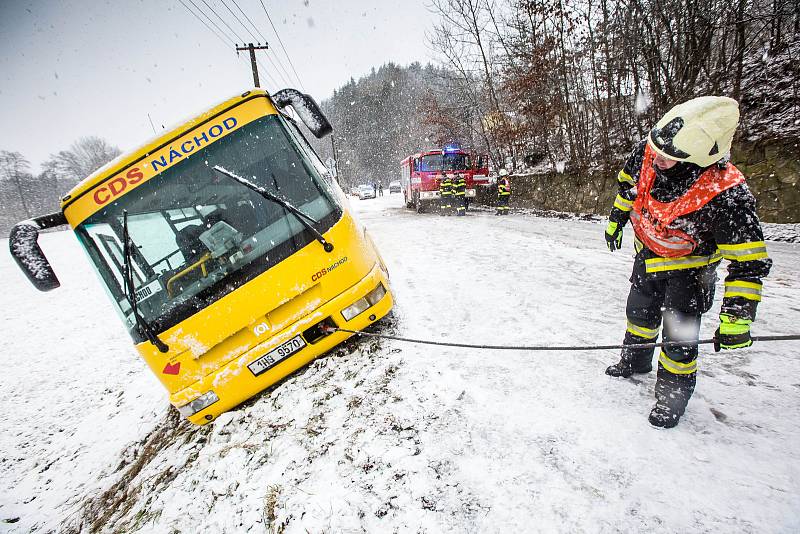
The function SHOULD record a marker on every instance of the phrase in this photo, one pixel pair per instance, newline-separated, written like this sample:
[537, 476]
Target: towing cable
[332, 329]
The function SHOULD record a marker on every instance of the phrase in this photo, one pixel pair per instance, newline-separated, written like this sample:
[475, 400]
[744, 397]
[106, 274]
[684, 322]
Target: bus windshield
[446, 162]
[197, 234]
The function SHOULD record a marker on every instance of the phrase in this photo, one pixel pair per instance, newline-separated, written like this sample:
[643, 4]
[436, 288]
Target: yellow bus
[227, 248]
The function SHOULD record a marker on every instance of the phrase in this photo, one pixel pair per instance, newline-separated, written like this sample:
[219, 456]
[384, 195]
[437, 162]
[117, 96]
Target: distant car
[354, 190]
[366, 191]
[395, 187]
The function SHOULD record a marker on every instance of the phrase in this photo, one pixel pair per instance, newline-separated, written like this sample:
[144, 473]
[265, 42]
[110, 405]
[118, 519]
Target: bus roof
[125, 160]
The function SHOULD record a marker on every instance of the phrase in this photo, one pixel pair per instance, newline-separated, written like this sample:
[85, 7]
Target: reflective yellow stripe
[740, 288]
[677, 368]
[744, 283]
[622, 203]
[624, 177]
[754, 250]
[637, 244]
[641, 331]
[657, 265]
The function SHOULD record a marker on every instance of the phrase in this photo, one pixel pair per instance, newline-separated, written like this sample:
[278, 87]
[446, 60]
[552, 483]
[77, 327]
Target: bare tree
[468, 49]
[15, 168]
[83, 157]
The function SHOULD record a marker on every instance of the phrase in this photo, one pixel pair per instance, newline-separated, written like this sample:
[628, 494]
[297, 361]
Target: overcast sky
[72, 68]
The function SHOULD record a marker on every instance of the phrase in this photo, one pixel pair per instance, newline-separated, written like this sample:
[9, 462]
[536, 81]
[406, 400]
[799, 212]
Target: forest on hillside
[569, 82]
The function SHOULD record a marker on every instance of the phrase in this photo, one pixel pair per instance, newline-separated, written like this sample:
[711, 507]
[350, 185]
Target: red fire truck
[420, 174]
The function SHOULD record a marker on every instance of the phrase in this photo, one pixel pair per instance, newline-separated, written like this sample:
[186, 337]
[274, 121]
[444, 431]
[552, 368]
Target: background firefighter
[690, 208]
[445, 194]
[503, 192]
[459, 194]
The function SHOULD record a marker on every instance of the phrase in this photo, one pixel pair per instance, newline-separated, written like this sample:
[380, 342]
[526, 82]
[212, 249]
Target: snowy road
[388, 436]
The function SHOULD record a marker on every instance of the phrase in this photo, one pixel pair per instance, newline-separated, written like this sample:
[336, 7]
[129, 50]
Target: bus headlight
[200, 403]
[375, 296]
[362, 304]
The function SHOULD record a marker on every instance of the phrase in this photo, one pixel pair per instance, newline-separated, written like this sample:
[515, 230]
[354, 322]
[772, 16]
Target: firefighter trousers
[460, 204]
[678, 299]
[502, 204]
[446, 202]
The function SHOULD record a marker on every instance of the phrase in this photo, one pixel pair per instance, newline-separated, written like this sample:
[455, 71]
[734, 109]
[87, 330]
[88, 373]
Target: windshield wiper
[305, 220]
[130, 292]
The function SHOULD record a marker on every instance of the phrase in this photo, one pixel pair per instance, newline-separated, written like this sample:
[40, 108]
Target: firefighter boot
[633, 360]
[672, 395]
[626, 369]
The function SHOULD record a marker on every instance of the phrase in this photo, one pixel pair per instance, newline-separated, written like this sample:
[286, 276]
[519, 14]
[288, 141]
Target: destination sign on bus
[169, 155]
[117, 185]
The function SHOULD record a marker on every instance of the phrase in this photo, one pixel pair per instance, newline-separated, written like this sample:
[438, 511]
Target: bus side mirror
[307, 108]
[24, 245]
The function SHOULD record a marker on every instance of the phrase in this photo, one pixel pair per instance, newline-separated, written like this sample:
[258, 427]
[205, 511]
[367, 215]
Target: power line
[239, 20]
[223, 21]
[280, 41]
[204, 22]
[282, 68]
[267, 75]
[283, 78]
[249, 20]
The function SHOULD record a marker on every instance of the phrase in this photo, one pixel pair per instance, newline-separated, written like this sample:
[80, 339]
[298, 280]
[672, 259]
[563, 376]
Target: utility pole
[252, 50]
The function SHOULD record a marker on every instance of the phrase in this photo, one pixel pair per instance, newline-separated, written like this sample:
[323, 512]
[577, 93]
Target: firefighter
[445, 195]
[689, 208]
[459, 194]
[503, 192]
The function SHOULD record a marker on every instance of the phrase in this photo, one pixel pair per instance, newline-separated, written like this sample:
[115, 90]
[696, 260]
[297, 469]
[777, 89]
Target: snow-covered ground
[391, 437]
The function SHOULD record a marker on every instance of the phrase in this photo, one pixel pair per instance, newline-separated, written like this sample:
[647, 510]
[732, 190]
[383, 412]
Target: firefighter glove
[733, 333]
[613, 236]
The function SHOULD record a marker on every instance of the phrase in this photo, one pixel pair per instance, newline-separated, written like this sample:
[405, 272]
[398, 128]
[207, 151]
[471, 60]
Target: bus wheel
[405, 198]
[418, 204]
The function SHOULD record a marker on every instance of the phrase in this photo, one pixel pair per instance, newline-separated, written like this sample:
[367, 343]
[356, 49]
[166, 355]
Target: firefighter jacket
[687, 219]
[445, 187]
[459, 185]
[503, 187]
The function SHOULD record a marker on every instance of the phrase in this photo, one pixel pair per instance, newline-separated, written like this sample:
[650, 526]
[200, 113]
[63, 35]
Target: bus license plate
[276, 355]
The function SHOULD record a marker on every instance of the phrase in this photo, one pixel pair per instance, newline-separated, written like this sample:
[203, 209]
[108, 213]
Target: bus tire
[409, 204]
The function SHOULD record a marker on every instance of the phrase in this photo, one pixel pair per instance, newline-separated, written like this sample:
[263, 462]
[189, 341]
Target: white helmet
[699, 131]
[503, 172]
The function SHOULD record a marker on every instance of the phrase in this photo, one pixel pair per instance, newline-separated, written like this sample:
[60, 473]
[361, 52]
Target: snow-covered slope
[391, 437]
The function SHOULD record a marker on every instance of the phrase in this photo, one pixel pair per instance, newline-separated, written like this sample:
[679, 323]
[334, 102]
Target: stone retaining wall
[772, 170]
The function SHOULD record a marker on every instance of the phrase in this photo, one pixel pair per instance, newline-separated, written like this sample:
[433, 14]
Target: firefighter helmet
[699, 131]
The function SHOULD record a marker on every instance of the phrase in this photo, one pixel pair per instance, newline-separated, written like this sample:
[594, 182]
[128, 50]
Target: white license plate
[276, 355]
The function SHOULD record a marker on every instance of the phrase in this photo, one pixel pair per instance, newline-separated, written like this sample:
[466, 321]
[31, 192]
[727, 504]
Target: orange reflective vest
[651, 219]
